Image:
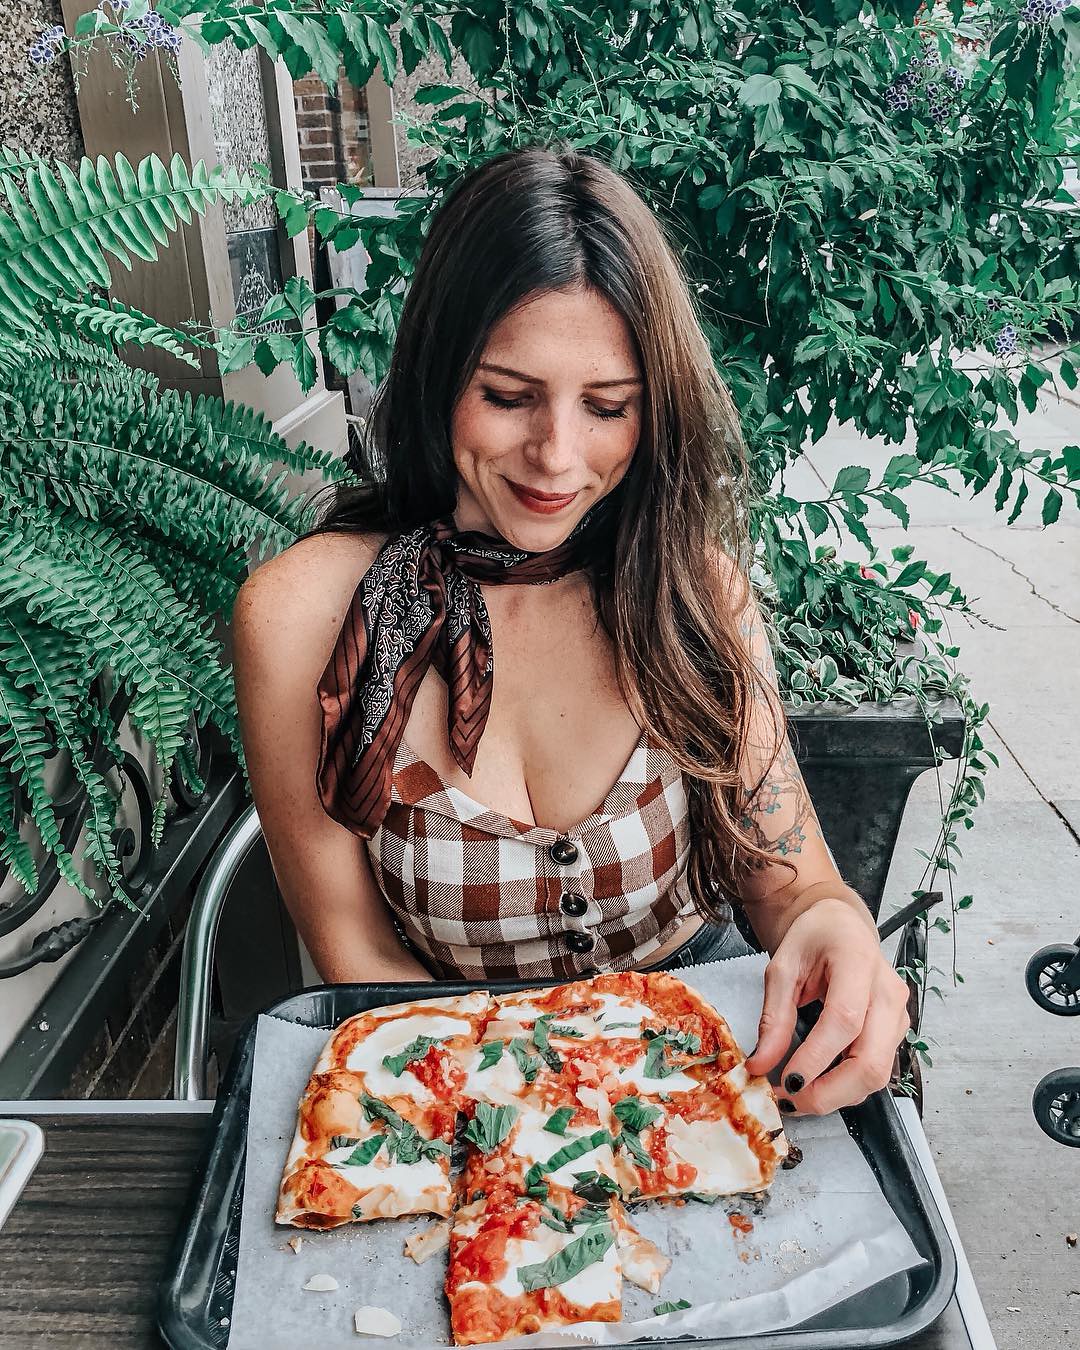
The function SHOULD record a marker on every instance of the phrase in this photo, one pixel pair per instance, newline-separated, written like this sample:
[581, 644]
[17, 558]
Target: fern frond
[18, 161]
[60, 229]
[148, 455]
[15, 852]
[121, 324]
[45, 683]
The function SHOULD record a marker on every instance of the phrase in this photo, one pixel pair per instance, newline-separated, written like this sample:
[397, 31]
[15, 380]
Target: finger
[867, 1066]
[842, 1018]
[778, 1014]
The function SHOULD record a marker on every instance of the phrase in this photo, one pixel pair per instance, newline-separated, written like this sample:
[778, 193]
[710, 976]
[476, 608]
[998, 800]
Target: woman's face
[550, 420]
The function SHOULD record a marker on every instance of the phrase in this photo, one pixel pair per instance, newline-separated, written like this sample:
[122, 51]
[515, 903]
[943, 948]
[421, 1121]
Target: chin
[535, 534]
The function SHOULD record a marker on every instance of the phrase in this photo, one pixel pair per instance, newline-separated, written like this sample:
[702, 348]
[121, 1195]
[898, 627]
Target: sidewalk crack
[1042, 795]
[1022, 575]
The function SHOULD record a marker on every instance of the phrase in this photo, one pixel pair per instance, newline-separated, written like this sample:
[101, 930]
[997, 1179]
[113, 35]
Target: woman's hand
[830, 953]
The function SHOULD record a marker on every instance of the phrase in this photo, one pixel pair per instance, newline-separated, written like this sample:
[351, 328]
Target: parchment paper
[823, 1232]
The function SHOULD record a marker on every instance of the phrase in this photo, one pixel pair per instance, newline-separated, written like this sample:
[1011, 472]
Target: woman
[563, 469]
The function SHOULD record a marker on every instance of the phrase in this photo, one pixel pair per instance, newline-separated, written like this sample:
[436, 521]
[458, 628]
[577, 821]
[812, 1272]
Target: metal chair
[197, 959]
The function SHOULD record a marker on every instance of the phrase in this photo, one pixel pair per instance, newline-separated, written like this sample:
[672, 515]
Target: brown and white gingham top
[482, 896]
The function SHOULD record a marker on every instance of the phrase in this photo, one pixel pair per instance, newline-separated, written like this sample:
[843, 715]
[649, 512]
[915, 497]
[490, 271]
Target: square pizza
[569, 1102]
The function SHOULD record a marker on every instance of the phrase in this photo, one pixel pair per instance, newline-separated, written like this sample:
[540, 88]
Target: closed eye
[499, 401]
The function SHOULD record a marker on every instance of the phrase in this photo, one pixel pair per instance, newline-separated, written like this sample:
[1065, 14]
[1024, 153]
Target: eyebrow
[531, 379]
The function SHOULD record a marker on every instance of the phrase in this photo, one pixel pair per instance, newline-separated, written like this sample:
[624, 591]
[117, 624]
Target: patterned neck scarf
[419, 605]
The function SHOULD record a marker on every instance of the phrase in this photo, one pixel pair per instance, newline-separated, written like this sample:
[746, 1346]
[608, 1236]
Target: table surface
[83, 1250]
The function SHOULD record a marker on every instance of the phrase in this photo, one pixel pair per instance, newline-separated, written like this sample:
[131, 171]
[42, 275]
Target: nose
[555, 443]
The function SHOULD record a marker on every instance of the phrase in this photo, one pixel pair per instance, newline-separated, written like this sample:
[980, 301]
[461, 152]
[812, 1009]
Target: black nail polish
[785, 1106]
[794, 1082]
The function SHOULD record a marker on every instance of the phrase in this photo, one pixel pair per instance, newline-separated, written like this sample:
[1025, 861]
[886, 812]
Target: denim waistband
[711, 942]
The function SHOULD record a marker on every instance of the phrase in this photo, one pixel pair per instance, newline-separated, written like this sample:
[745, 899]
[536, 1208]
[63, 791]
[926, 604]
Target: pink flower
[913, 618]
[867, 573]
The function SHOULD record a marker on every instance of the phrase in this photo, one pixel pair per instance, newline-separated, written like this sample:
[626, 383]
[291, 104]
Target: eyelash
[604, 414]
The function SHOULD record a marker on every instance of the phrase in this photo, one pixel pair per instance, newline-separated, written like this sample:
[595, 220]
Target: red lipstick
[543, 503]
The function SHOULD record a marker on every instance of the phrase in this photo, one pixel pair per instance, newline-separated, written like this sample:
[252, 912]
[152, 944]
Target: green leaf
[580, 1253]
[557, 1122]
[631, 1141]
[1051, 507]
[661, 1308]
[759, 90]
[540, 1037]
[635, 1114]
[852, 480]
[571, 1032]
[363, 1153]
[490, 1125]
[377, 1110]
[816, 517]
[490, 1054]
[416, 1049]
[527, 1063]
[575, 1149]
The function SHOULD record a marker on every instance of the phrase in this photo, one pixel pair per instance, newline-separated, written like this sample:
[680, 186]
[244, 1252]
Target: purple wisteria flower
[46, 48]
[1042, 11]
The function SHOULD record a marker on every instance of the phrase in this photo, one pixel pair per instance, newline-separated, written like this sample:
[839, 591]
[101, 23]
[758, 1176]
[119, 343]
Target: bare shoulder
[295, 603]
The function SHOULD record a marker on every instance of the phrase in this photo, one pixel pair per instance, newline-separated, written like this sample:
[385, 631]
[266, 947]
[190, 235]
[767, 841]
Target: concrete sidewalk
[1013, 1192]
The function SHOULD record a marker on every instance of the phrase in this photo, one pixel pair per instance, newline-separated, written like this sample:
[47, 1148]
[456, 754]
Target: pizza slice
[517, 1266]
[725, 1138]
[564, 1157]
[375, 1126]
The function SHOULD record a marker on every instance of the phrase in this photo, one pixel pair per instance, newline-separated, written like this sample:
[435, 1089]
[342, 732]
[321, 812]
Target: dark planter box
[859, 764]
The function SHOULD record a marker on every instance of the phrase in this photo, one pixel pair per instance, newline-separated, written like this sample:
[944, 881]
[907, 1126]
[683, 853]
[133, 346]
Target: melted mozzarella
[634, 1074]
[390, 1038]
[608, 1009]
[599, 1283]
[501, 1083]
[724, 1160]
[757, 1096]
[533, 1144]
[408, 1180]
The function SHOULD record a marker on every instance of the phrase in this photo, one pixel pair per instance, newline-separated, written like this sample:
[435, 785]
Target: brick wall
[333, 133]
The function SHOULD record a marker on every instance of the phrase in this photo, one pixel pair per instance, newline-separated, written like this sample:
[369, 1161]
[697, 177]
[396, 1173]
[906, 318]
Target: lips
[543, 503]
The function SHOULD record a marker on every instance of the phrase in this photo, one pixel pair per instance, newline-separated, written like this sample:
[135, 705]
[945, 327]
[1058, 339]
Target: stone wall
[37, 108]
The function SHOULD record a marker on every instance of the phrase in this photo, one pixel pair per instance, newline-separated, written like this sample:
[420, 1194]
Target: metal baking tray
[196, 1293]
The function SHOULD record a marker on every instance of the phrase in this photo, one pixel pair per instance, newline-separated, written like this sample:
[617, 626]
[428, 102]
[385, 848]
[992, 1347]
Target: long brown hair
[671, 593]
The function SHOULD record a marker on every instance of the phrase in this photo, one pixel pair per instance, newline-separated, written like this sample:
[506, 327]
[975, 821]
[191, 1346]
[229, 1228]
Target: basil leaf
[632, 1143]
[406, 1145]
[595, 1187]
[591, 1213]
[576, 1256]
[575, 1149]
[490, 1053]
[566, 1031]
[528, 1064]
[635, 1114]
[344, 1140]
[363, 1153]
[414, 1050]
[434, 1148]
[540, 1036]
[560, 1225]
[490, 1125]
[621, 1026]
[377, 1110]
[558, 1121]
[662, 1308]
[701, 1199]
[656, 1066]
[684, 1041]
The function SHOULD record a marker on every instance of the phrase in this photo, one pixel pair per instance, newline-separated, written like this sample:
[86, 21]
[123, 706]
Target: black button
[574, 905]
[580, 942]
[563, 852]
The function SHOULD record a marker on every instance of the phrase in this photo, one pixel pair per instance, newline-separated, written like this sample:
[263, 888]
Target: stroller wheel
[1056, 1105]
[1045, 982]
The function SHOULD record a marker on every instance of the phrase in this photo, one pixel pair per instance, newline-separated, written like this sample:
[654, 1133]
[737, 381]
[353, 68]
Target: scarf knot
[420, 605]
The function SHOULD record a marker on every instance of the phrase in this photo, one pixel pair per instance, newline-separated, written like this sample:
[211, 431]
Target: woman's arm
[285, 621]
[779, 814]
[821, 936]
